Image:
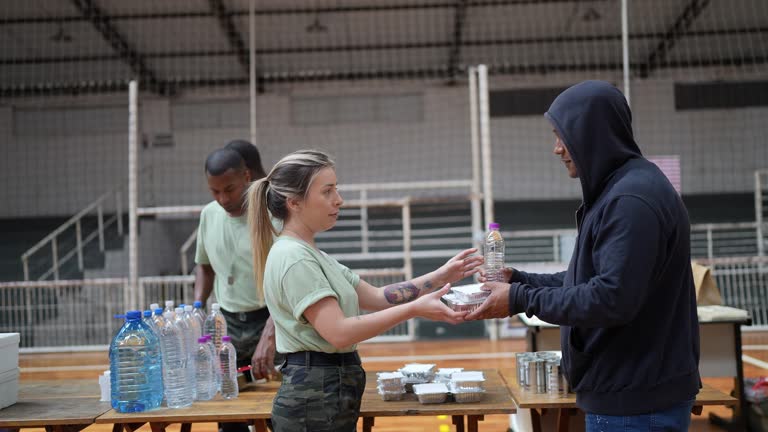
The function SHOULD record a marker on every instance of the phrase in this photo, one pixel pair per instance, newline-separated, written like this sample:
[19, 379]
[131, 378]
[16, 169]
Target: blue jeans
[674, 419]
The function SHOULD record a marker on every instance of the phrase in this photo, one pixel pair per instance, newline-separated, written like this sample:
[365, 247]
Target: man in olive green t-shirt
[225, 264]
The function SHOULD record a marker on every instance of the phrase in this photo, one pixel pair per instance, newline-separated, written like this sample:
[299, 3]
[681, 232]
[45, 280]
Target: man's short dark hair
[250, 154]
[222, 160]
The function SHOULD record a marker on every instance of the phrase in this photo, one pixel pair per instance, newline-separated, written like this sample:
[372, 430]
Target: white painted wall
[56, 157]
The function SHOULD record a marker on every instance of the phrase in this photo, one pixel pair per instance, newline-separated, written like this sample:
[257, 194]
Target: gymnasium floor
[468, 353]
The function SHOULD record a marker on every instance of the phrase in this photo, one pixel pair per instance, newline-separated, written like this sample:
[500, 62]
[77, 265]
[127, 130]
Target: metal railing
[52, 239]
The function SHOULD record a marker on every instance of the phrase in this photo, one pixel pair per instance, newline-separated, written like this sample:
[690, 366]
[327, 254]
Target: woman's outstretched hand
[430, 307]
[462, 265]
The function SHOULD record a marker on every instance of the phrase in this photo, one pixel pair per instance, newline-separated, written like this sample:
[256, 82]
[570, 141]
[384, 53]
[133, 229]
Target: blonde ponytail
[261, 229]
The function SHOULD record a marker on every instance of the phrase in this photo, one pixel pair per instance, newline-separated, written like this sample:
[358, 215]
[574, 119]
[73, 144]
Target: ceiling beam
[291, 11]
[147, 78]
[378, 47]
[49, 89]
[230, 32]
[454, 54]
[673, 34]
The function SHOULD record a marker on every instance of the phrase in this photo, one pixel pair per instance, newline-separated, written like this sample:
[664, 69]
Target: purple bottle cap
[202, 340]
[493, 225]
[226, 338]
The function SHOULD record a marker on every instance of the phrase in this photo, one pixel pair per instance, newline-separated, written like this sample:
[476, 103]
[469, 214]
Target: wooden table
[566, 406]
[253, 406]
[497, 400]
[54, 405]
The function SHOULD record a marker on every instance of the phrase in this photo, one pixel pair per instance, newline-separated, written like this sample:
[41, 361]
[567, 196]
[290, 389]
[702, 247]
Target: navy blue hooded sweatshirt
[627, 304]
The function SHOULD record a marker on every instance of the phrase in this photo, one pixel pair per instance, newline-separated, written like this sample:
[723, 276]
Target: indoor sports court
[433, 111]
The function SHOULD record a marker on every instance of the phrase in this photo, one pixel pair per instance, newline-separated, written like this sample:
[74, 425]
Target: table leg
[564, 419]
[472, 421]
[535, 420]
[65, 428]
[696, 410]
[368, 423]
[458, 421]
[739, 422]
[186, 427]
[159, 426]
[127, 427]
[260, 425]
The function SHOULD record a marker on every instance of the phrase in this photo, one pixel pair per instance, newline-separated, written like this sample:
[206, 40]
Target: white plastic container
[431, 393]
[470, 293]
[453, 302]
[9, 352]
[390, 382]
[9, 388]
[468, 396]
[418, 373]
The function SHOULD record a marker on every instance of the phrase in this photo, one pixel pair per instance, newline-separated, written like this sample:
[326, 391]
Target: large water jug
[135, 367]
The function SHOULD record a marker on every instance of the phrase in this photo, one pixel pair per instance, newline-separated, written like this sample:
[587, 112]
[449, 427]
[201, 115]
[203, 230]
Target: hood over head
[595, 124]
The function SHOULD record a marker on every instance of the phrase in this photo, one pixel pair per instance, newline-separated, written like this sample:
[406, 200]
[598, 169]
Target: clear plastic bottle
[216, 362]
[206, 386]
[169, 306]
[135, 367]
[215, 325]
[199, 313]
[153, 306]
[228, 358]
[148, 321]
[175, 363]
[190, 347]
[192, 322]
[494, 254]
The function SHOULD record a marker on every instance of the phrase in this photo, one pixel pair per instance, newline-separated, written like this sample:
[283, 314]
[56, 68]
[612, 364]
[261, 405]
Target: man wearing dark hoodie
[627, 304]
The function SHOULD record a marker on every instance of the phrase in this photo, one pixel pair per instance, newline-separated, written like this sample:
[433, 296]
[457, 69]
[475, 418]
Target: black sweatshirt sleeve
[626, 247]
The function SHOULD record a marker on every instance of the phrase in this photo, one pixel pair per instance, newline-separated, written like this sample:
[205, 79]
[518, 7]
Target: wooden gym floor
[467, 353]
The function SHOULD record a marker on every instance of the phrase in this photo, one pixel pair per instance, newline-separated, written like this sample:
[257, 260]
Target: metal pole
[25, 263]
[365, 248]
[759, 213]
[100, 213]
[252, 66]
[625, 48]
[477, 228]
[55, 252]
[407, 258]
[133, 139]
[79, 232]
[485, 142]
[119, 211]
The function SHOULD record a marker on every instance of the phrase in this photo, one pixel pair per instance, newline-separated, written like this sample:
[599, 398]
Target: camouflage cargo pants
[318, 398]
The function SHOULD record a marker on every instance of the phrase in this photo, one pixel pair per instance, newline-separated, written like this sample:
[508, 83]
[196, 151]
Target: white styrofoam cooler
[9, 388]
[9, 352]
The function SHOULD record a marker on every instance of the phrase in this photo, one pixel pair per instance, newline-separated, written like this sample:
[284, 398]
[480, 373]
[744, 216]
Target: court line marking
[754, 362]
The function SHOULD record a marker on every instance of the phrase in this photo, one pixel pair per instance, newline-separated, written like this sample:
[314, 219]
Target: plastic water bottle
[193, 323]
[175, 372]
[199, 313]
[135, 367]
[190, 347]
[494, 254]
[148, 321]
[206, 386]
[228, 358]
[169, 306]
[215, 325]
[153, 306]
[216, 362]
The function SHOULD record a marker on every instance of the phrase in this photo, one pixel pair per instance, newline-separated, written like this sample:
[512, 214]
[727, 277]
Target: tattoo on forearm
[428, 286]
[400, 293]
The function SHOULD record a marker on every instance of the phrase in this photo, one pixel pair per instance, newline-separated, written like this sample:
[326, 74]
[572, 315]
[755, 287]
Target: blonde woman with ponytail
[315, 301]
